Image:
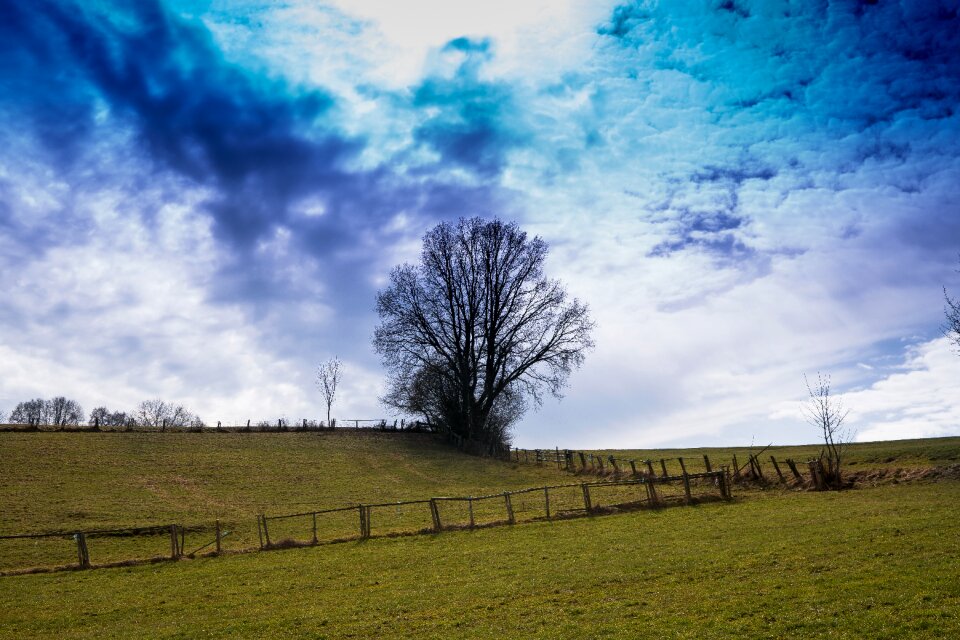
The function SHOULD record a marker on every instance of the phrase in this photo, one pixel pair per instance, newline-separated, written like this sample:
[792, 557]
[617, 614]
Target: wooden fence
[752, 469]
[466, 512]
[82, 549]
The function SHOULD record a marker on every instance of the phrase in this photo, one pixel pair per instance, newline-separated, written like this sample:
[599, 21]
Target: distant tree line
[61, 411]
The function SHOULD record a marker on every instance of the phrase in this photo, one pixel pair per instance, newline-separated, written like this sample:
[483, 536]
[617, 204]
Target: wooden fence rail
[751, 471]
[441, 512]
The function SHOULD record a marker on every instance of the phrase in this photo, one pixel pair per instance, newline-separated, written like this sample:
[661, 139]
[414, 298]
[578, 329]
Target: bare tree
[328, 378]
[825, 412]
[31, 412]
[103, 417]
[63, 411]
[157, 413]
[477, 327]
[59, 411]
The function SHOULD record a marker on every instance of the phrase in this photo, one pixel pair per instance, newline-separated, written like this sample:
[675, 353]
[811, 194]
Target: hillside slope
[69, 481]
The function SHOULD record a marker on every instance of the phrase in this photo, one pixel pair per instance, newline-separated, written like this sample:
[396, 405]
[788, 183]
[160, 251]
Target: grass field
[69, 481]
[879, 563]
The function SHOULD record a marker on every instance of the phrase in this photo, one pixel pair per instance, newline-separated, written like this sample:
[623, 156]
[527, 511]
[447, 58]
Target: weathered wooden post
[736, 467]
[435, 514]
[83, 554]
[586, 497]
[794, 470]
[649, 464]
[777, 468]
[686, 481]
[583, 461]
[546, 499]
[218, 536]
[266, 532]
[706, 463]
[599, 460]
[652, 488]
[509, 505]
[364, 521]
[616, 467]
[663, 467]
[174, 543]
[633, 467]
[557, 452]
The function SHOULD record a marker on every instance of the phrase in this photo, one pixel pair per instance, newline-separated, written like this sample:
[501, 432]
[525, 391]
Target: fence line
[262, 426]
[594, 501]
[750, 471]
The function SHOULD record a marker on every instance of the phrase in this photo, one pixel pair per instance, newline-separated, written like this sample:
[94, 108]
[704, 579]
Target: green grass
[69, 481]
[927, 452]
[879, 563]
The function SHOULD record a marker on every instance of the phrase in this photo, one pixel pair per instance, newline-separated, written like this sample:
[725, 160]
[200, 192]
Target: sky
[200, 199]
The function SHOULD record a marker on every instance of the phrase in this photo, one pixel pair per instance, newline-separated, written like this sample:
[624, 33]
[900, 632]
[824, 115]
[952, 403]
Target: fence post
[706, 462]
[793, 469]
[652, 485]
[83, 555]
[435, 514]
[686, 481]
[546, 499]
[260, 532]
[315, 528]
[174, 543]
[557, 452]
[736, 467]
[649, 464]
[663, 466]
[721, 482]
[218, 536]
[509, 505]
[777, 468]
[364, 521]
[633, 467]
[599, 460]
[586, 497]
[583, 460]
[616, 467]
[266, 532]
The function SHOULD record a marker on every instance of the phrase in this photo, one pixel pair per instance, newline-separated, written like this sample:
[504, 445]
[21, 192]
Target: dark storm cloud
[259, 145]
[471, 127]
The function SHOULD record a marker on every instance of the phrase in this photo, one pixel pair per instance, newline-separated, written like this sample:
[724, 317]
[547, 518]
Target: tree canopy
[476, 330]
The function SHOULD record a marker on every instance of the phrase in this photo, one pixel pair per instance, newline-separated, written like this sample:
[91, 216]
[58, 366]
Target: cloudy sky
[199, 200]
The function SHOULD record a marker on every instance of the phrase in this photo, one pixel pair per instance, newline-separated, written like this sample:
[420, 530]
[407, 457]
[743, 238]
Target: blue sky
[199, 201]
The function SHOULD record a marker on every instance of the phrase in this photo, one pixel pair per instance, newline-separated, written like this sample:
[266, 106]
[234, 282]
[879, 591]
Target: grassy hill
[69, 481]
[873, 562]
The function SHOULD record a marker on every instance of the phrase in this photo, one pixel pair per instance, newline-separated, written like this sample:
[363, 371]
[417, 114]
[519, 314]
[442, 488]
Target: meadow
[71, 481]
[879, 561]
